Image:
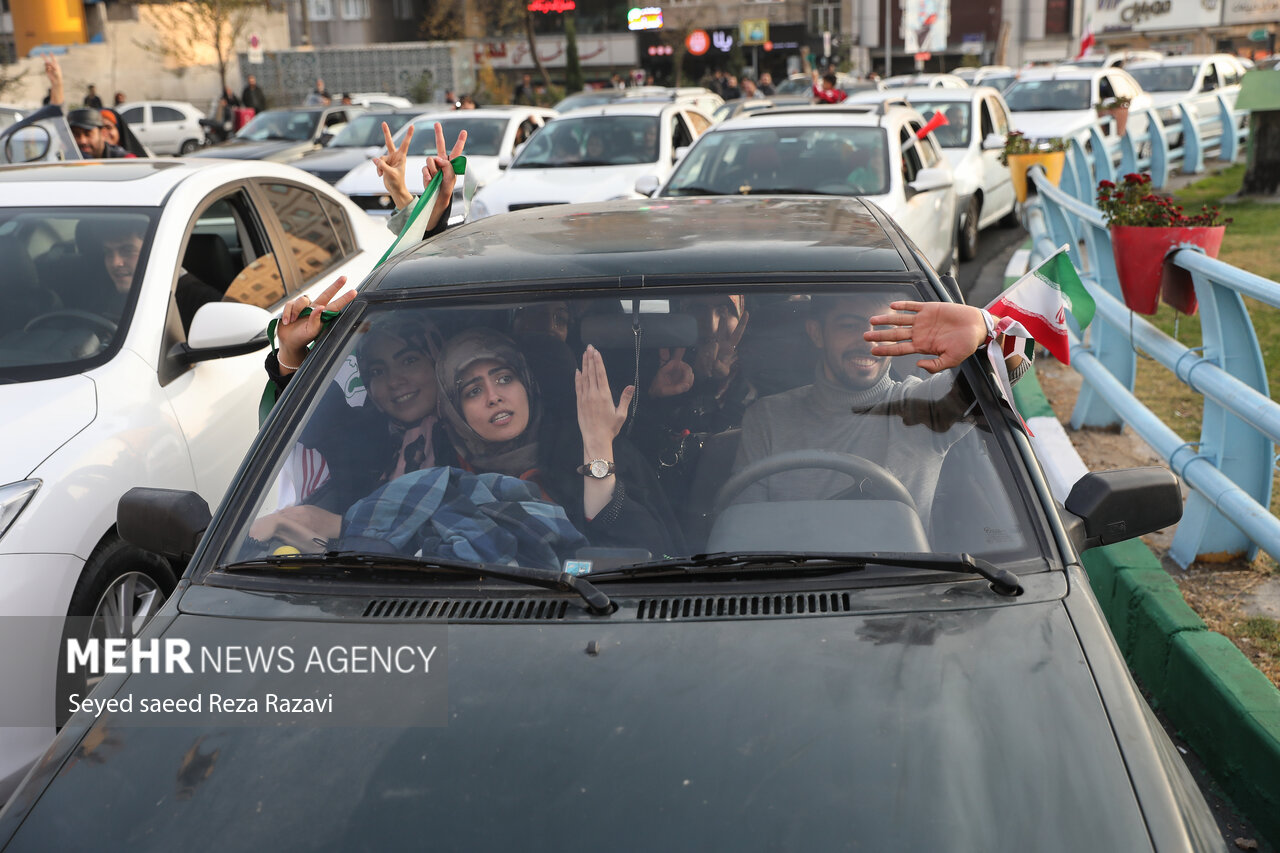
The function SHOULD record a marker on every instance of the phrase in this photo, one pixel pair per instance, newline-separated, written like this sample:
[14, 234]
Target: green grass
[1252, 243]
[1265, 632]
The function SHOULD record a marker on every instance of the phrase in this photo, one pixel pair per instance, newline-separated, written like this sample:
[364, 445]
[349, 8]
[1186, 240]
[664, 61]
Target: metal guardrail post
[1192, 141]
[1103, 168]
[1081, 170]
[1229, 145]
[1159, 150]
[1240, 451]
[1129, 149]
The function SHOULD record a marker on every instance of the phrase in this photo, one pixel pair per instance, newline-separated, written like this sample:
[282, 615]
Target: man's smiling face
[846, 357]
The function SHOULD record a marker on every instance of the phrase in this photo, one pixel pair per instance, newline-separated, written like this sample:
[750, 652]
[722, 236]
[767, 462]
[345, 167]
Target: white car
[492, 136]
[972, 140]
[1116, 59]
[825, 149]
[1197, 80]
[166, 127]
[1052, 102]
[377, 100]
[593, 154]
[926, 81]
[111, 380]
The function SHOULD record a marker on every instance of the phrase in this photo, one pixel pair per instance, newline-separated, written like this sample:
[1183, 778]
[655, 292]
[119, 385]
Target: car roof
[631, 108]
[1181, 59]
[1064, 72]
[484, 112]
[131, 104]
[944, 93]
[641, 238]
[857, 115]
[135, 182]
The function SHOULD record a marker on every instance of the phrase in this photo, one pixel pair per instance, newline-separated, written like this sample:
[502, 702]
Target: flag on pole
[416, 227]
[1086, 39]
[1040, 299]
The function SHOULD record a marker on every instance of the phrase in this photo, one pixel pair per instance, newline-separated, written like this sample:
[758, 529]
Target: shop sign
[1251, 12]
[549, 6]
[722, 41]
[645, 18]
[698, 42]
[754, 31]
[1146, 15]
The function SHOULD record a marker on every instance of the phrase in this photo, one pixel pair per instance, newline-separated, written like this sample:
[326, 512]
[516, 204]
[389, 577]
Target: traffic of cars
[153, 380]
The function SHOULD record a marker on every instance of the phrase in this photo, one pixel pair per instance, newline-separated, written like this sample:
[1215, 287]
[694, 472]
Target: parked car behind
[972, 140]
[1195, 80]
[876, 667]
[284, 135]
[830, 150]
[1116, 59]
[166, 127]
[593, 154]
[926, 81]
[137, 294]
[738, 106]
[354, 144]
[1058, 101]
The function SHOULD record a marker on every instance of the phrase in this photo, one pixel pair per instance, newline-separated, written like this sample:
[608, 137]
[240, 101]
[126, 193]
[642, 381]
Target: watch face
[599, 469]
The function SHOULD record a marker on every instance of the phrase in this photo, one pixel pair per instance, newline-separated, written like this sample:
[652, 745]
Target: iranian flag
[1086, 40]
[416, 227]
[1040, 300]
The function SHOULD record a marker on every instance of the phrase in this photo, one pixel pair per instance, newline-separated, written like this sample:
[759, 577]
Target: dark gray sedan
[284, 135]
[603, 526]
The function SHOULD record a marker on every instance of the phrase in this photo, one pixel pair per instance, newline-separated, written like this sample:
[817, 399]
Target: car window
[293, 125]
[911, 164]
[928, 156]
[1105, 90]
[1230, 73]
[341, 224]
[597, 140]
[1209, 79]
[1048, 95]
[1124, 86]
[366, 130]
[228, 252]
[801, 159]
[524, 131]
[70, 280]
[161, 114]
[700, 122]
[448, 429]
[680, 135]
[956, 132]
[1000, 114]
[313, 245]
[484, 135]
[1166, 78]
[133, 115]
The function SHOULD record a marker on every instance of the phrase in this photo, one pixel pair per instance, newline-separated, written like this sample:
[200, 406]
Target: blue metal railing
[1230, 468]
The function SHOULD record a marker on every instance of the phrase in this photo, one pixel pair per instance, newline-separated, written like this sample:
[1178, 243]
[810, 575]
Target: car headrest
[208, 259]
[19, 268]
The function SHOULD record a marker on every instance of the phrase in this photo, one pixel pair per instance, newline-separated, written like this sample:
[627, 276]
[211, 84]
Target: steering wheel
[850, 464]
[93, 319]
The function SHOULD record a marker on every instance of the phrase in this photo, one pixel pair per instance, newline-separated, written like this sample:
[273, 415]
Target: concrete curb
[1227, 710]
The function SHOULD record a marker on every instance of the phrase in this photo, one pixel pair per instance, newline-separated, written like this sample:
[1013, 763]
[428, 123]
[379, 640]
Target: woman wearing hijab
[498, 420]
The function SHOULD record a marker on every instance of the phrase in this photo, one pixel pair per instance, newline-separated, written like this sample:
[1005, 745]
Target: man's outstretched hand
[949, 332]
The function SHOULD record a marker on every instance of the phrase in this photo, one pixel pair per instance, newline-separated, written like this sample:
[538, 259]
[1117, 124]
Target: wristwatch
[597, 468]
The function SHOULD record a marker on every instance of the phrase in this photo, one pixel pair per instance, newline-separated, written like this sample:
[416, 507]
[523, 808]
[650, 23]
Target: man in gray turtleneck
[855, 406]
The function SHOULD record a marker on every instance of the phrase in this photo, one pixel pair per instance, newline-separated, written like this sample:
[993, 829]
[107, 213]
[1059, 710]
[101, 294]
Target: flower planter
[1140, 253]
[1120, 115]
[1052, 161]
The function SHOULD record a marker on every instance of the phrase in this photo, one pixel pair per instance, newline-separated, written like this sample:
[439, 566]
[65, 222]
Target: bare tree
[189, 31]
[9, 81]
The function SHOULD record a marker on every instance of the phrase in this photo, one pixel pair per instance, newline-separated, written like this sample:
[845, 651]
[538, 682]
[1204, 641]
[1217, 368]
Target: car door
[922, 216]
[170, 128]
[681, 137]
[998, 186]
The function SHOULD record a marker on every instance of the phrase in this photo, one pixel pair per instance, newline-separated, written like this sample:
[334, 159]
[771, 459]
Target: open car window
[453, 429]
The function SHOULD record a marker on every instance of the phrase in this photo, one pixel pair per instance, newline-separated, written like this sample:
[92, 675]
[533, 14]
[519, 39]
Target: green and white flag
[412, 232]
[1039, 302]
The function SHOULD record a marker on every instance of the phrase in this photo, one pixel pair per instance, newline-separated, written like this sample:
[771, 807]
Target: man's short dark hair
[829, 78]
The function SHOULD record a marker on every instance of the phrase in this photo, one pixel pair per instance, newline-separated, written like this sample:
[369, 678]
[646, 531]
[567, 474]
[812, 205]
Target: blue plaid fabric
[448, 512]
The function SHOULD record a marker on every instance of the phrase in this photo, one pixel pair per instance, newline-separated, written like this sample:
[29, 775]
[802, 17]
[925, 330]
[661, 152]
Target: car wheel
[968, 237]
[119, 591]
[188, 147]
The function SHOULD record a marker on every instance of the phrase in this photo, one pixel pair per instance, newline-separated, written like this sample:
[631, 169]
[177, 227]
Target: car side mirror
[679, 153]
[222, 330]
[504, 160]
[324, 139]
[993, 142]
[27, 144]
[1112, 506]
[647, 185]
[163, 521]
[930, 179]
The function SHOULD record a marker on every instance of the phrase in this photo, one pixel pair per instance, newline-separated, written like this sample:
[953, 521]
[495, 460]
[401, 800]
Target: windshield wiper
[693, 189]
[596, 600]
[1005, 581]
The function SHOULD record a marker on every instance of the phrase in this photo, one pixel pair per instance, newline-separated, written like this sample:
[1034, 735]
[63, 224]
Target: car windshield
[461, 429]
[484, 135]
[1166, 78]
[999, 82]
[295, 125]
[598, 140]
[802, 159]
[955, 133]
[587, 99]
[795, 86]
[1048, 95]
[70, 277]
[364, 131]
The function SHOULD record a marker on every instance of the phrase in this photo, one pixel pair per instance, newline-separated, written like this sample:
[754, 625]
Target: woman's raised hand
[391, 166]
[297, 333]
[674, 376]
[598, 418]
[441, 163]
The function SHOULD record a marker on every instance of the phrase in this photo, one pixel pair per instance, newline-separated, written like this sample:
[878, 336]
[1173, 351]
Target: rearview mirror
[680, 152]
[993, 142]
[325, 139]
[1112, 506]
[163, 521]
[647, 185]
[222, 330]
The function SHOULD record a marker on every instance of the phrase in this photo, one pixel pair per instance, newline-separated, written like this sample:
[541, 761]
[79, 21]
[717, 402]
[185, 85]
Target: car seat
[208, 259]
[20, 288]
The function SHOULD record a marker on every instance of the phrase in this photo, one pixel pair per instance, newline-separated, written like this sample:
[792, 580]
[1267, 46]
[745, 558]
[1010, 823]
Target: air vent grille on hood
[467, 609]
[739, 606]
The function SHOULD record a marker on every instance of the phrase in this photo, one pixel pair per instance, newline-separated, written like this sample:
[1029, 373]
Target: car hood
[363, 178]
[335, 159]
[975, 724]
[39, 417]
[567, 185]
[1046, 125]
[276, 150]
